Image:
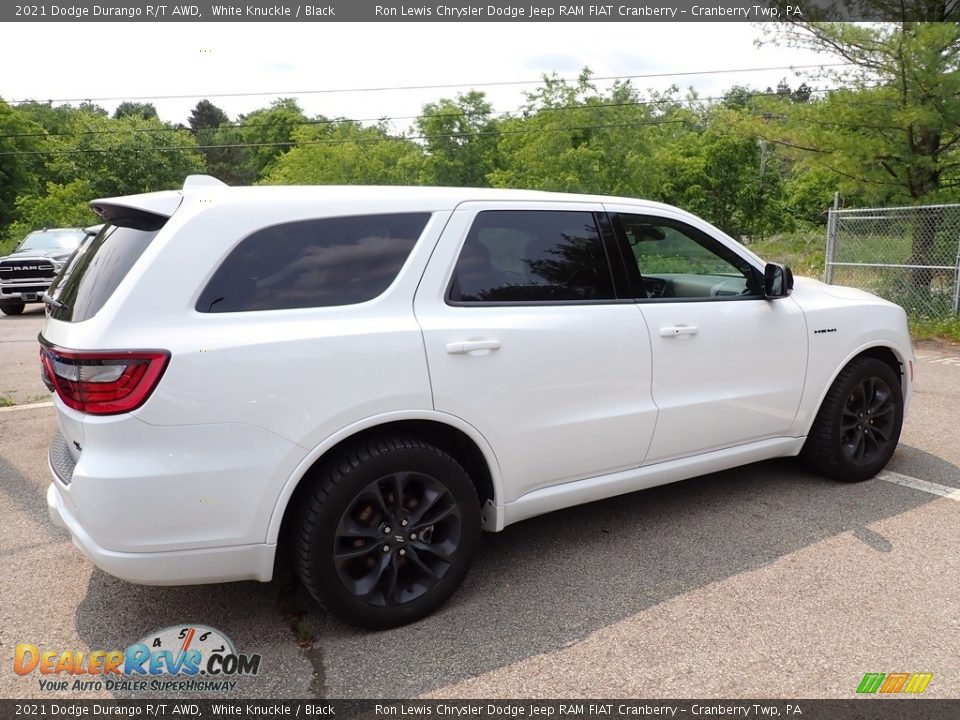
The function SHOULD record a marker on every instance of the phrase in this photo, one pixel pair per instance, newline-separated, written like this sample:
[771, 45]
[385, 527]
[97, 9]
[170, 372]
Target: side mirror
[777, 281]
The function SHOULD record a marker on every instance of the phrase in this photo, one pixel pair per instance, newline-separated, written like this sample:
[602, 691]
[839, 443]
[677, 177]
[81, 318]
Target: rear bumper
[180, 567]
[168, 505]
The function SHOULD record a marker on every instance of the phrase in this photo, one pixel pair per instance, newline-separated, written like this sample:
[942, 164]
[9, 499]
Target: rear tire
[12, 308]
[387, 532]
[858, 425]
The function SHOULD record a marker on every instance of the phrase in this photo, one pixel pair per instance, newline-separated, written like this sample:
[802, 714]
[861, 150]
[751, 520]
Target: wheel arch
[886, 351]
[885, 354]
[449, 433]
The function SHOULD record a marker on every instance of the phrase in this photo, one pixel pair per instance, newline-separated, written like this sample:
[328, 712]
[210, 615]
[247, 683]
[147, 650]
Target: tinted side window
[532, 256]
[313, 263]
[673, 260]
[95, 270]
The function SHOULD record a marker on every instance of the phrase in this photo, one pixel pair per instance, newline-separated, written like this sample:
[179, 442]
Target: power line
[407, 138]
[500, 83]
[346, 141]
[384, 118]
[336, 121]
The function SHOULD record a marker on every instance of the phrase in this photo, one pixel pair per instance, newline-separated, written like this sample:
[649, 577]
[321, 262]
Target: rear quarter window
[313, 263]
[95, 270]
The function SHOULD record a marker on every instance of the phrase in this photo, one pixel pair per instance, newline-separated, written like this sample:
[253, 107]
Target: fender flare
[310, 459]
[887, 343]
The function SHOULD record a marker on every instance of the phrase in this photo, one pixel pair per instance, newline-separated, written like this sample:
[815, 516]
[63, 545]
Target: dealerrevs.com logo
[182, 657]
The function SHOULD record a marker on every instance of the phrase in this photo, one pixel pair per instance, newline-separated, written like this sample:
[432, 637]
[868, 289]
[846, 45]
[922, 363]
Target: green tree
[265, 135]
[20, 167]
[896, 126]
[145, 111]
[60, 206]
[716, 167]
[460, 137]
[569, 137]
[345, 153]
[56, 119]
[680, 150]
[205, 121]
[205, 115]
[122, 157]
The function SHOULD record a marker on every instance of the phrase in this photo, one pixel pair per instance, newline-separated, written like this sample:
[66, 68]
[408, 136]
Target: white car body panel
[559, 374]
[566, 403]
[557, 497]
[842, 313]
[703, 380]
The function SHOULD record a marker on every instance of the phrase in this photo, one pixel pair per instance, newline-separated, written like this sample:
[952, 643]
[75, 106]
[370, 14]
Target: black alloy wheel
[387, 532]
[397, 539]
[867, 421]
[858, 425]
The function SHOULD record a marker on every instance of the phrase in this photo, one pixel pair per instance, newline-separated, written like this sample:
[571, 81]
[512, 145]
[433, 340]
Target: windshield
[52, 240]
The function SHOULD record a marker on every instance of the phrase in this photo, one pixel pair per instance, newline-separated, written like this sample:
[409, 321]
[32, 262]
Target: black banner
[466, 11]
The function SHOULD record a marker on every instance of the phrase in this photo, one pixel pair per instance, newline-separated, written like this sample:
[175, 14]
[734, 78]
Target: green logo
[889, 683]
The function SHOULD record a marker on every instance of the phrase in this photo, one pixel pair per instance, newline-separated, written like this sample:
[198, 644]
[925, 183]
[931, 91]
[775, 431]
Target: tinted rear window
[313, 263]
[95, 270]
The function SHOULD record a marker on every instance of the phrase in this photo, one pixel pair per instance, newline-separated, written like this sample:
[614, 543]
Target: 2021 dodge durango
[364, 378]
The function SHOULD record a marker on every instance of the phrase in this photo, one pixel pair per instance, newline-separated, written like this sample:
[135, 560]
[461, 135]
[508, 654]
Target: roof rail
[193, 181]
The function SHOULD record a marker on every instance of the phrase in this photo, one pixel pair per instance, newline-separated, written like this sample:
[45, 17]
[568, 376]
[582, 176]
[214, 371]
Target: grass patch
[802, 251]
[7, 401]
[294, 609]
[936, 329]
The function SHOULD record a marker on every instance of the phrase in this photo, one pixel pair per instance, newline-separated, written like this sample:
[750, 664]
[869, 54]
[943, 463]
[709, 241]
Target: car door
[527, 341]
[728, 364]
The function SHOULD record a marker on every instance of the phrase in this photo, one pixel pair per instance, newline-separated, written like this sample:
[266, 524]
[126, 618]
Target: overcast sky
[56, 61]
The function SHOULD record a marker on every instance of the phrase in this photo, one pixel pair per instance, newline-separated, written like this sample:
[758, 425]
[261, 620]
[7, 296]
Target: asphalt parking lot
[764, 581]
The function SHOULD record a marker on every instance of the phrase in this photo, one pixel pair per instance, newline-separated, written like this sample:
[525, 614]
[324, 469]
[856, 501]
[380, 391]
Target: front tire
[12, 308]
[858, 425]
[387, 532]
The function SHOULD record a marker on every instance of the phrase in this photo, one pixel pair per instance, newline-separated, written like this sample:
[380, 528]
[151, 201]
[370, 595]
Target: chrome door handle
[677, 330]
[467, 346]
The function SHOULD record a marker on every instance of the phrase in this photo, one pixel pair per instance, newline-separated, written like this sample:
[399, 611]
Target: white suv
[366, 377]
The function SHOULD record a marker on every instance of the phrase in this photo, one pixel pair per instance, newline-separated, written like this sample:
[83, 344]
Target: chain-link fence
[910, 255]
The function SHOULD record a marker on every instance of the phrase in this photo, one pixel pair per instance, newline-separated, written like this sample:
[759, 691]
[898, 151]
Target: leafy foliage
[346, 153]
[891, 135]
[205, 115]
[885, 130]
[19, 173]
[60, 206]
[460, 140]
[122, 156]
[146, 111]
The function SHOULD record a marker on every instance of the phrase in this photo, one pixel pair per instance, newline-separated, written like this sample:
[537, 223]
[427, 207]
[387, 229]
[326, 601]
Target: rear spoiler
[148, 211]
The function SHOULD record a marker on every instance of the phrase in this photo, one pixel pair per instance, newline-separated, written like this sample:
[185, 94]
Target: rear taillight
[103, 383]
